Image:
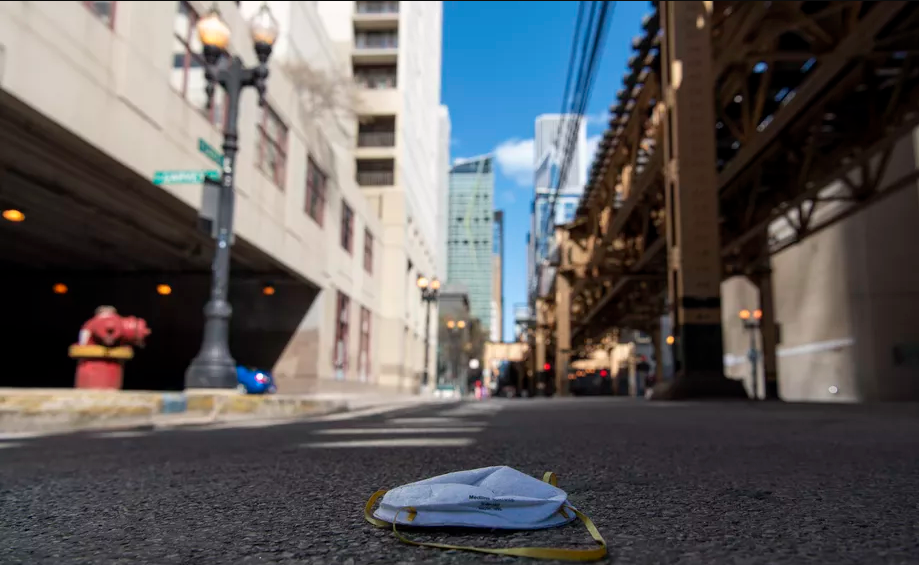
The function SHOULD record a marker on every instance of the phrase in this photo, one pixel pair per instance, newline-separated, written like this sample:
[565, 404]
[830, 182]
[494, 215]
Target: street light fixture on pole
[751, 324]
[429, 290]
[214, 367]
[454, 328]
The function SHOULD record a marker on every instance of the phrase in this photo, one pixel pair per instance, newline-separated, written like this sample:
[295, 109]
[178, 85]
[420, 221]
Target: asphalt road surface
[666, 483]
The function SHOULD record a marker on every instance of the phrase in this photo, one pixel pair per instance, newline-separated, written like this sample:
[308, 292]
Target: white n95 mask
[492, 498]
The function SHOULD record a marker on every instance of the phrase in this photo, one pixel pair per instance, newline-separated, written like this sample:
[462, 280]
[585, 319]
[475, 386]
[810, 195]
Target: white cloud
[601, 119]
[515, 158]
[592, 143]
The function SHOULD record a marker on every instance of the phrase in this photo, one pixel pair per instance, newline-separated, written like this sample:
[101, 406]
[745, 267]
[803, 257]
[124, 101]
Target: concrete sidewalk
[46, 410]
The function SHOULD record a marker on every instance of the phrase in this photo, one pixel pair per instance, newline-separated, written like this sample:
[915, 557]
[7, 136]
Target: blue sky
[504, 63]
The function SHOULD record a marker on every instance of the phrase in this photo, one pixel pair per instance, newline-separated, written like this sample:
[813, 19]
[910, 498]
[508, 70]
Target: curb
[23, 411]
[61, 411]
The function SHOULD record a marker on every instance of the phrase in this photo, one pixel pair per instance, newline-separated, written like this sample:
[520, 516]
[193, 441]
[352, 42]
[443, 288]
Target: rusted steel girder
[835, 33]
[840, 156]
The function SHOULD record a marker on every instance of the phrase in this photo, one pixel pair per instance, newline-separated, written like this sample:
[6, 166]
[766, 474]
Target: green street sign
[212, 154]
[184, 177]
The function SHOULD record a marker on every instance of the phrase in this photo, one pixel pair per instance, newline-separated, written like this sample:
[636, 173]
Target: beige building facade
[124, 81]
[394, 52]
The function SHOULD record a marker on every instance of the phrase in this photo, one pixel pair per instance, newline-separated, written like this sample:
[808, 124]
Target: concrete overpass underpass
[111, 237]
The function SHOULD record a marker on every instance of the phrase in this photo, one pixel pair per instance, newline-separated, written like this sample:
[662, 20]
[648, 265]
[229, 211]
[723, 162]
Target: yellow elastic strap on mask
[558, 554]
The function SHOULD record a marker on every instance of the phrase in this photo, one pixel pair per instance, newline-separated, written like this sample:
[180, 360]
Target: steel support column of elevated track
[691, 193]
[768, 334]
[563, 305]
[656, 340]
[541, 336]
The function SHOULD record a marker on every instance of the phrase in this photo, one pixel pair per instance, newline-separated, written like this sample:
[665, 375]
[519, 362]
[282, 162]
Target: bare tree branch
[322, 91]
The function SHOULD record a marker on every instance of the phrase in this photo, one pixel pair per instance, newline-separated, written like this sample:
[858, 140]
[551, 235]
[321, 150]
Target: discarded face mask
[492, 498]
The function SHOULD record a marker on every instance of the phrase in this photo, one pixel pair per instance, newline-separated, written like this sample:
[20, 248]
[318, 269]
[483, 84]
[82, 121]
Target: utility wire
[588, 72]
[572, 58]
[573, 109]
[565, 103]
[573, 119]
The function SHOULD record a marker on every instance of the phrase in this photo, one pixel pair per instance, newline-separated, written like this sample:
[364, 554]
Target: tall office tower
[443, 190]
[470, 232]
[550, 141]
[394, 49]
[566, 205]
[497, 279]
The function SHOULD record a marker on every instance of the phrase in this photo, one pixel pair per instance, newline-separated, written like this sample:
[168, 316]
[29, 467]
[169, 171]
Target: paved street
[665, 483]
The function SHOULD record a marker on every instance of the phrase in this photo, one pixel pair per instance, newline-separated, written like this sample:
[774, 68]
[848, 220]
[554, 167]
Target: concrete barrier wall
[847, 301]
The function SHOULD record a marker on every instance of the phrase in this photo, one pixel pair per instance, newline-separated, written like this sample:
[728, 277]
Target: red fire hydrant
[106, 342]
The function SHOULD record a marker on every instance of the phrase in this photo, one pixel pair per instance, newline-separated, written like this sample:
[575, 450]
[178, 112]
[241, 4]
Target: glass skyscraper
[550, 140]
[497, 289]
[470, 232]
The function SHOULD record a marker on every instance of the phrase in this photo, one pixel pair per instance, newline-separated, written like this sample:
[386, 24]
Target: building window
[377, 7]
[368, 251]
[272, 146]
[364, 360]
[340, 355]
[347, 227]
[187, 75]
[377, 39]
[316, 183]
[377, 131]
[376, 172]
[375, 77]
[569, 212]
[105, 11]
[187, 63]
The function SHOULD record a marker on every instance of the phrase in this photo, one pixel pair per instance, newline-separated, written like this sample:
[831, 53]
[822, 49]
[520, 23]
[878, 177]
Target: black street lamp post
[214, 366]
[429, 290]
[455, 329]
[751, 324]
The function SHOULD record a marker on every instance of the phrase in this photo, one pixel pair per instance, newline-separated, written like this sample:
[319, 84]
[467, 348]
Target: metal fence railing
[376, 139]
[375, 178]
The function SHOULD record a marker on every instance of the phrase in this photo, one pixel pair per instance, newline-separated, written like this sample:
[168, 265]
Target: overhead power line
[586, 53]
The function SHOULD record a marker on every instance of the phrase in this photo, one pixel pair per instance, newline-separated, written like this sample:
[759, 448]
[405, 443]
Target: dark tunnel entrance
[48, 322]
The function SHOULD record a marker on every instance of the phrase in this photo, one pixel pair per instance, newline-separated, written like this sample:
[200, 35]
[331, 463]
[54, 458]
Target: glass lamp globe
[263, 27]
[213, 31]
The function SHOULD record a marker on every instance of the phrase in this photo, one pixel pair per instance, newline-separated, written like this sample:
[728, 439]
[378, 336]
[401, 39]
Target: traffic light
[546, 367]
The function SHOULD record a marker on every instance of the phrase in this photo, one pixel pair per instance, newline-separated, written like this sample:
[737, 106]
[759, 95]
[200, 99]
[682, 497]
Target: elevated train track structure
[733, 117]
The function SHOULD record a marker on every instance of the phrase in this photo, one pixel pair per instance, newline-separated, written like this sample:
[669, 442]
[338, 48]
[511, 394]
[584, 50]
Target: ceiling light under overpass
[13, 215]
[163, 289]
[59, 288]
[268, 290]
